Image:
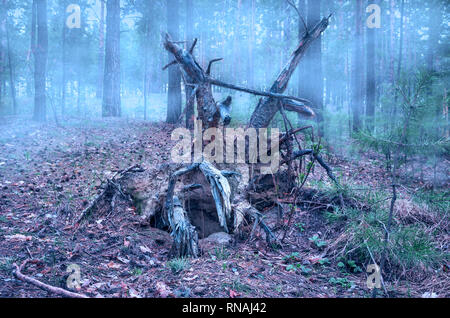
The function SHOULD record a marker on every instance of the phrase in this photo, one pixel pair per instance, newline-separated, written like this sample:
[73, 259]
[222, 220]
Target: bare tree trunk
[101, 49]
[251, 40]
[236, 51]
[63, 59]
[190, 103]
[357, 70]
[314, 83]
[174, 91]
[3, 15]
[40, 62]
[301, 30]
[11, 74]
[371, 79]
[111, 79]
[269, 106]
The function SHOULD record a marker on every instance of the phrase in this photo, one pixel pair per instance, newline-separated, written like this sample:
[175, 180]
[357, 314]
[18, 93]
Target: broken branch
[56, 290]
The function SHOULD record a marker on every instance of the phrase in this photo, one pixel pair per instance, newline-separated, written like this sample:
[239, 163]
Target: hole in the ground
[202, 214]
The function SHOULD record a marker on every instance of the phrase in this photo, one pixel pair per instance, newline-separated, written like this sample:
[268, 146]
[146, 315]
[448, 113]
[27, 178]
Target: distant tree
[2, 48]
[111, 79]
[147, 70]
[357, 69]
[63, 4]
[301, 7]
[101, 49]
[174, 91]
[370, 79]
[313, 83]
[40, 61]
[190, 103]
[12, 83]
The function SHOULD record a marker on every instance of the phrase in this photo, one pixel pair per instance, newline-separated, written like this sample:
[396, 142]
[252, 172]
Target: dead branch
[191, 50]
[300, 108]
[208, 70]
[56, 290]
[256, 92]
[262, 116]
[284, 136]
[112, 186]
[169, 64]
[298, 13]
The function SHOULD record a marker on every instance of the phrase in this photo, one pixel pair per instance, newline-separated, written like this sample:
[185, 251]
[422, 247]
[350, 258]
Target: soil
[49, 174]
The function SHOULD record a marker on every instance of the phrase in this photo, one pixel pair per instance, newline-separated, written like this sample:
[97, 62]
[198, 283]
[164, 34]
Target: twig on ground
[49, 288]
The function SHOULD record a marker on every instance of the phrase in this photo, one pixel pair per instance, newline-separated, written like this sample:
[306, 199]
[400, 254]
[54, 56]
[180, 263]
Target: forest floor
[49, 174]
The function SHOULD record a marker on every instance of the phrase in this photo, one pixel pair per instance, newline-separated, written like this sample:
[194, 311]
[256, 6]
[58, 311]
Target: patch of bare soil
[49, 174]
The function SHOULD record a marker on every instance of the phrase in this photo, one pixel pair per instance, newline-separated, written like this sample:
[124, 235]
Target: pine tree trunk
[174, 90]
[63, 59]
[12, 83]
[101, 49]
[111, 79]
[40, 62]
[357, 70]
[314, 82]
[190, 103]
[371, 79]
[3, 15]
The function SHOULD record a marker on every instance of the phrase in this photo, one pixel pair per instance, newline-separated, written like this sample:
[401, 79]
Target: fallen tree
[198, 199]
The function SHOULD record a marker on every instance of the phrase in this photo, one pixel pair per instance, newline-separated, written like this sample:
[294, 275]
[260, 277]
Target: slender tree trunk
[314, 82]
[3, 50]
[357, 70]
[63, 59]
[174, 91]
[11, 73]
[32, 49]
[101, 49]
[236, 46]
[111, 79]
[40, 62]
[190, 103]
[301, 30]
[371, 79]
[400, 57]
[251, 41]
[146, 62]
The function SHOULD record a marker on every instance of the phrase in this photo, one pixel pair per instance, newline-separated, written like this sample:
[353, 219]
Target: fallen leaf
[233, 294]
[163, 290]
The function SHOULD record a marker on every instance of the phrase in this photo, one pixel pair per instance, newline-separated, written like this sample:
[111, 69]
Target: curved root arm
[183, 232]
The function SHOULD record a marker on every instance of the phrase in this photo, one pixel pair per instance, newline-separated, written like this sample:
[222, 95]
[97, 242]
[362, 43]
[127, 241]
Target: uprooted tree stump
[193, 201]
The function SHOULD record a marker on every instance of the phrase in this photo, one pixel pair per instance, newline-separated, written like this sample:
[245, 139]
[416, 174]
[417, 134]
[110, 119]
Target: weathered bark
[262, 116]
[195, 76]
[40, 62]
[111, 78]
